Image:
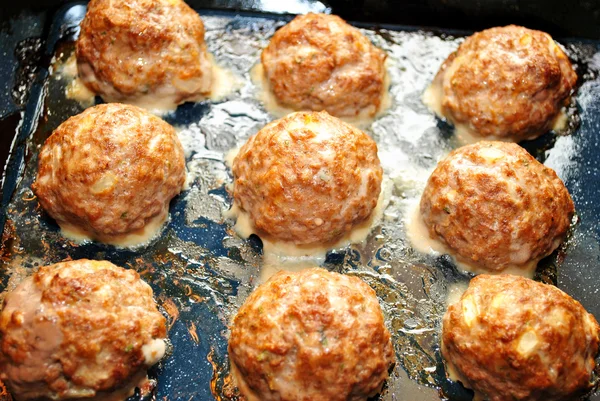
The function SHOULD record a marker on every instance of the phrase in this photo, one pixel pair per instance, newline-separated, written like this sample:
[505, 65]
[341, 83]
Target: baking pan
[201, 271]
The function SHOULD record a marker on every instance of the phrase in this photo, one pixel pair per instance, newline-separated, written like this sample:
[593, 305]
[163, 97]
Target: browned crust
[320, 334]
[487, 211]
[486, 357]
[277, 181]
[102, 339]
[167, 35]
[110, 140]
[506, 82]
[314, 82]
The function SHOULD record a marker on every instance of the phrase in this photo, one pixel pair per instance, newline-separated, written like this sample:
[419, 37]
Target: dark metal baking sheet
[201, 271]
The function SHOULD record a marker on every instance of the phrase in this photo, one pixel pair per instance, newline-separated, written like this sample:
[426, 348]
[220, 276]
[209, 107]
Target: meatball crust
[135, 50]
[311, 335]
[109, 171]
[307, 178]
[505, 82]
[77, 330]
[512, 338]
[495, 206]
[319, 62]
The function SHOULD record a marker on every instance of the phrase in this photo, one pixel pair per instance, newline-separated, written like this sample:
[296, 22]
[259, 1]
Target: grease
[280, 255]
[132, 240]
[224, 83]
[464, 134]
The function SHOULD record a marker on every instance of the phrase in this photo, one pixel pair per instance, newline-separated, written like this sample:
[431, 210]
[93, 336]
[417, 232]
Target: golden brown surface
[319, 62]
[109, 170]
[307, 178]
[508, 82]
[129, 49]
[77, 329]
[495, 206]
[311, 335]
[511, 338]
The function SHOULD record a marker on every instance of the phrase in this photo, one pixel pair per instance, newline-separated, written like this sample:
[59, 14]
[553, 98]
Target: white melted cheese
[432, 98]
[455, 292]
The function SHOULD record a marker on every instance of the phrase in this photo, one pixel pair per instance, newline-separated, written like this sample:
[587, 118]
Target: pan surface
[201, 271]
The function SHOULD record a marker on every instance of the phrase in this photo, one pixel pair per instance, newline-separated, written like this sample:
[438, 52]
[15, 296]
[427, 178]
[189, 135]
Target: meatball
[512, 338]
[146, 52]
[506, 82]
[307, 178]
[79, 330]
[319, 62]
[494, 206]
[310, 335]
[110, 172]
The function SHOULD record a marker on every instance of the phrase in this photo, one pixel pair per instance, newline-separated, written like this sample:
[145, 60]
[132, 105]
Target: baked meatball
[307, 178]
[310, 335]
[494, 206]
[511, 338]
[79, 330]
[146, 52]
[110, 172]
[319, 62]
[506, 82]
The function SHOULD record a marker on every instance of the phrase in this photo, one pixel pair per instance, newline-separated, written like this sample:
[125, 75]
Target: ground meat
[319, 62]
[511, 338]
[144, 52]
[79, 329]
[505, 82]
[311, 335]
[307, 178]
[495, 206]
[110, 170]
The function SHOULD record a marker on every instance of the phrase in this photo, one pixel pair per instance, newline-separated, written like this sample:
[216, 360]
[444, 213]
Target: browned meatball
[319, 62]
[79, 330]
[310, 335]
[109, 172]
[496, 207]
[146, 52]
[511, 338]
[307, 178]
[506, 82]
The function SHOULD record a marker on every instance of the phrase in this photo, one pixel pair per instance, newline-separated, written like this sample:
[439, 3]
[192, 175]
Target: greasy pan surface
[201, 271]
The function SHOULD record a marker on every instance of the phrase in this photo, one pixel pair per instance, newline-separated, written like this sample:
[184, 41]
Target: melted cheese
[455, 292]
[432, 98]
